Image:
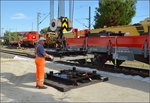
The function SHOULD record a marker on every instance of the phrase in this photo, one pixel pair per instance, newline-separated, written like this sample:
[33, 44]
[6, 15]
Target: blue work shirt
[40, 50]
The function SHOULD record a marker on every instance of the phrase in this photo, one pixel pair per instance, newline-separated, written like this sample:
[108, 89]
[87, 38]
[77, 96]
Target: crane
[62, 22]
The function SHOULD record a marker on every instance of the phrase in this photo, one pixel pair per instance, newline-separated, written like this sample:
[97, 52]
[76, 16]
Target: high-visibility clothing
[40, 63]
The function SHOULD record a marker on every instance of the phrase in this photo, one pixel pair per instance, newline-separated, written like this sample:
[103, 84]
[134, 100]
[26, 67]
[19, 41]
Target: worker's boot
[42, 87]
[37, 86]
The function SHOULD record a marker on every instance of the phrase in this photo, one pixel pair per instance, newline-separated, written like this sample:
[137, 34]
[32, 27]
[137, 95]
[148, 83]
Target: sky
[21, 15]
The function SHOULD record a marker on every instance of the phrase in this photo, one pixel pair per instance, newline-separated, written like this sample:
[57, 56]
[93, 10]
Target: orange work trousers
[40, 63]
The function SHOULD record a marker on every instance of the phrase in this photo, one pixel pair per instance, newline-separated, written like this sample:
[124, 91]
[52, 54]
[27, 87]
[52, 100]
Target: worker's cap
[42, 39]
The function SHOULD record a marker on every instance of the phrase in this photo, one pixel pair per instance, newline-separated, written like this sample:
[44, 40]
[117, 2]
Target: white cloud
[19, 16]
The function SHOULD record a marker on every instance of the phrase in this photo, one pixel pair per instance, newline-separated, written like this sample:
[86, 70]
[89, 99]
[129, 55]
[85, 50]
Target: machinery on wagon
[113, 46]
[138, 29]
[72, 77]
[117, 44]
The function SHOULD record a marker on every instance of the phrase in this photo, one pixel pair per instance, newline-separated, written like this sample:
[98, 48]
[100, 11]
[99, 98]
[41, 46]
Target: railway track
[18, 53]
[107, 67]
[110, 68]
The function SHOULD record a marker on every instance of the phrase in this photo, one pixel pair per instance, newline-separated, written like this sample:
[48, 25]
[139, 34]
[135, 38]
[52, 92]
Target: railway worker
[19, 44]
[40, 63]
[57, 40]
[60, 41]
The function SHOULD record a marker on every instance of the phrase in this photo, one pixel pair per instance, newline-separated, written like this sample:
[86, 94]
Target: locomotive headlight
[33, 37]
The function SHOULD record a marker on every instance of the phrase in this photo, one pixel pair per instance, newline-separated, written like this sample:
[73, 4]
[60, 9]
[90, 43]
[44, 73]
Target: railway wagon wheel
[26, 44]
[82, 61]
[99, 60]
[118, 63]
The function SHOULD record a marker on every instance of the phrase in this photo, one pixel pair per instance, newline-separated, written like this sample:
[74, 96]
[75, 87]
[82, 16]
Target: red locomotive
[26, 38]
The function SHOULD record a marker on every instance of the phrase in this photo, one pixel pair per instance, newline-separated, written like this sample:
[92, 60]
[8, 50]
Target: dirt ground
[18, 85]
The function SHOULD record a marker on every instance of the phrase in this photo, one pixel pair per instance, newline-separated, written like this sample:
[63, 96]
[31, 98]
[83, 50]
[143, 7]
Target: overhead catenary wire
[82, 23]
[44, 18]
[79, 19]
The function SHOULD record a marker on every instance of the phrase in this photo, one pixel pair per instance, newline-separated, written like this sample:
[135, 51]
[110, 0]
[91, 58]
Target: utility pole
[89, 18]
[32, 26]
[38, 18]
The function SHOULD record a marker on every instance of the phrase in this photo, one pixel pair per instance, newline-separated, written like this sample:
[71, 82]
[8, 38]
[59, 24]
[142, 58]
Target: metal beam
[89, 17]
[51, 9]
[38, 17]
[71, 9]
[61, 8]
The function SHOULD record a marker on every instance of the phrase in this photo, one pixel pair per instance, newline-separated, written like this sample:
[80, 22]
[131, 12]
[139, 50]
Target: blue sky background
[22, 15]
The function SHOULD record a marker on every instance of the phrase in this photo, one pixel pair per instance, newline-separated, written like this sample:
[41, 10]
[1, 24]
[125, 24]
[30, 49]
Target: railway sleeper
[69, 79]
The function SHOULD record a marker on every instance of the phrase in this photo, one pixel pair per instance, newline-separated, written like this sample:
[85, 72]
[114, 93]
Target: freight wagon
[114, 48]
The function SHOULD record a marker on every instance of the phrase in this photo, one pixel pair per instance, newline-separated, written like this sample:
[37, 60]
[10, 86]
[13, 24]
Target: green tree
[11, 36]
[6, 37]
[44, 30]
[114, 12]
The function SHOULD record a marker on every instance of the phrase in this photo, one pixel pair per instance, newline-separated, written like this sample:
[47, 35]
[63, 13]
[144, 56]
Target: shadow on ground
[19, 80]
[12, 90]
[128, 83]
